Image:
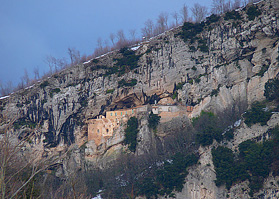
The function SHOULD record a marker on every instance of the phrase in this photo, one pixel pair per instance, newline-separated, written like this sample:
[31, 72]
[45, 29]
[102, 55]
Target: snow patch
[98, 197]
[87, 61]
[135, 48]
[4, 97]
[29, 86]
[257, 2]
[237, 123]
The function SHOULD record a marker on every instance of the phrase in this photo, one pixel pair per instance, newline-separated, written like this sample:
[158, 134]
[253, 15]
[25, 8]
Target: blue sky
[32, 29]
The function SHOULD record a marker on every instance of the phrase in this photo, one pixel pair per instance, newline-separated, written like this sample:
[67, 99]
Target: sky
[31, 30]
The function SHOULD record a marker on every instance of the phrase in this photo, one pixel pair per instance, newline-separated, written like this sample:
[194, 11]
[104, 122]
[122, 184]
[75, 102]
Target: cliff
[223, 66]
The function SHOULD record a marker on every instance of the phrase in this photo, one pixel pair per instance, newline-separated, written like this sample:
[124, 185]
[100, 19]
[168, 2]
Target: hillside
[218, 67]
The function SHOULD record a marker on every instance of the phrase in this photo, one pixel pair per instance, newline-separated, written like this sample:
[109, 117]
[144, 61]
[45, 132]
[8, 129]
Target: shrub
[229, 135]
[207, 128]
[148, 51]
[264, 68]
[215, 92]
[194, 68]
[130, 83]
[56, 90]
[190, 30]
[131, 133]
[212, 19]
[129, 58]
[197, 80]
[83, 102]
[170, 177]
[148, 187]
[203, 45]
[192, 48]
[223, 160]
[153, 120]
[257, 114]
[257, 158]
[271, 89]
[253, 12]
[232, 15]
[97, 67]
[95, 61]
[110, 91]
[253, 163]
[24, 122]
[44, 84]
[179, 85]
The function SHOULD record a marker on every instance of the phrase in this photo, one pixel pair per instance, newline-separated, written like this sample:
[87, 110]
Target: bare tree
[244, 2]
[18, 169]
[20, 84]
[162, 22]
[121, 39]
[175, 16]
[51, 62]
[184, 13]
[74, 55]
[112, 37]
[228, 6]
[61, 63]
[199, 12]
[218, 6]
[148, 29]
[100, 44]
[236, 4]
[121, 36]
[6, 89]
[36, 73]
[26, 77]
[133, 34]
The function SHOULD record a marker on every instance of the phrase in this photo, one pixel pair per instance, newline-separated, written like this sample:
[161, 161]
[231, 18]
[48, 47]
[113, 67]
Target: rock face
[242, 56]
[200, 180]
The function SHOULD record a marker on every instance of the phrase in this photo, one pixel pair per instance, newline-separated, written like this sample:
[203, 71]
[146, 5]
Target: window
[98, 131]
[110, 114]
[132, 111]
[121, 113]
[107, 130]
[115, 114]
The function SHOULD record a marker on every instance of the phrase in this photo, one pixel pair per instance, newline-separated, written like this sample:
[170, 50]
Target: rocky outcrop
[242, 56]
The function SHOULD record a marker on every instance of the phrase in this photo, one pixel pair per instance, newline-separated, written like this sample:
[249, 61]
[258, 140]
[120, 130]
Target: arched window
[107, 130]
[98, 131]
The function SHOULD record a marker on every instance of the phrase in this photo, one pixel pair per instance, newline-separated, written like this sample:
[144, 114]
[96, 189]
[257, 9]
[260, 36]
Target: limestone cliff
[226, 66]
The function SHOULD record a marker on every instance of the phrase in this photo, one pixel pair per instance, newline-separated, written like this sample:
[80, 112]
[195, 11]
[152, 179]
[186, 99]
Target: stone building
[100, 128]
[103, 127]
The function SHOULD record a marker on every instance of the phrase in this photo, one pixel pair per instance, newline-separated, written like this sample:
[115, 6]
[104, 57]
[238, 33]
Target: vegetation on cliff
[153, 120]
[208, 128]
[168, 178]
[271, 91]
[131, 133]
[258, 113]
[254, 162]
